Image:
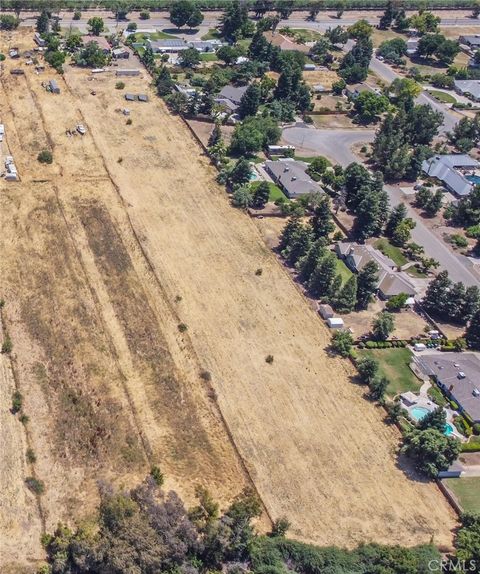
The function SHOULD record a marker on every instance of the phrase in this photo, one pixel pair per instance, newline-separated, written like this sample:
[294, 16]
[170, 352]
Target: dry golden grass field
[104, 253]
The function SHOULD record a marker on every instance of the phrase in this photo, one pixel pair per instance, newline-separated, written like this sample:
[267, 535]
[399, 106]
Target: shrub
[458, 240]
[269, 359]
[35, 485]
[157, 475]
[144, 15]
[77, 15]
[31, 458]
[2, 303]
[473, 231]
[24, 419]
[45, 156]
[17, 402]
[182, 327]
[129, 122]
[119, 85]
[476, 429]
[206, 376]
[7, 345]
[2, 57]
[259, 271]
[471, 447]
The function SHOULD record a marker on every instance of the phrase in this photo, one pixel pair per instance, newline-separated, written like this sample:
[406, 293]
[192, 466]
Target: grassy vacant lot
[442, 96]
[467, 491]
[394, 365]
[275, 192]
[391, 251]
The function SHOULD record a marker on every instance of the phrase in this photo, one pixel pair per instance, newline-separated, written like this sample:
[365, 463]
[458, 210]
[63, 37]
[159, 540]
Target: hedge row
[381, 344]
[221, 4]
[471, 447]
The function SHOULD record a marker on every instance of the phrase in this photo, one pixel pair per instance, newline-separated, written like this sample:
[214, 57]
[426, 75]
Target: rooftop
[232, 93]
[292, 176]
[285, 43]
[459, 374]
[445, 168]
[100, 40]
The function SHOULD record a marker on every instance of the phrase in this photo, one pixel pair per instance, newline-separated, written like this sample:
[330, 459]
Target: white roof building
[446, 169]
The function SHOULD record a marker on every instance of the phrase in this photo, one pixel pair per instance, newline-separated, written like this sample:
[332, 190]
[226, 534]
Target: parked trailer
[127, 72]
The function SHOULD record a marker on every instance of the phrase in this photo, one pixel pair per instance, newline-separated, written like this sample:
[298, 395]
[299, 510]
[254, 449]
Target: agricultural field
[140, 331]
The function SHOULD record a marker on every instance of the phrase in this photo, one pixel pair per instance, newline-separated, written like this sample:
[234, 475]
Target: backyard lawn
[212, 34]
[275, 192]
[343, 270]
[303, 35]
[394, 365]
[442, 96]
[467, 491]
[391, 251]
[208, 57]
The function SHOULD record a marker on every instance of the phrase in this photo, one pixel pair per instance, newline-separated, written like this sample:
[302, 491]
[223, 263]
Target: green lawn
[442, 96]
[467, 490]
[306, 159]
[303, 35]
[208, 57]
[343, 270]
[275, 192]
[391, 251]
[212, 34]
[158, 36]
[394, 365]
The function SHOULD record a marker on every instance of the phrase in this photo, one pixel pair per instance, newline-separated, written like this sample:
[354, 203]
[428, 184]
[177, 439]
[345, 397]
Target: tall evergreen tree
[261, 194]
[322, 222]
[473, 332]
[436, 419]
[291, 228]
[250, 101]
[436, 298]
[397, 215]
[321, 280]
[308, 263]
[367, 282]
[346, 300]
[471, 302]
[215, 136]
[299, 244]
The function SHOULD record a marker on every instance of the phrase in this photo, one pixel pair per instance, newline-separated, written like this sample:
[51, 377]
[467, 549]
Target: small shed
[127, 72]
[142, 98]
[52, 84]
[326, 312]
[130, 97]
[335, 323]
[309, 67]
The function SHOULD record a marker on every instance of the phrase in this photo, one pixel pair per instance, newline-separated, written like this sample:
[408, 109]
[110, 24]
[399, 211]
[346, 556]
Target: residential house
[286, 44]
[468, 88]
[121, 53]
[53, 86]
[205, 45]
[455, 171]
[230, 97]
[354, 90]
[167, 46]
[291, 176]
[391, 281]
[472, 41]
[100, 40]
[458, 375]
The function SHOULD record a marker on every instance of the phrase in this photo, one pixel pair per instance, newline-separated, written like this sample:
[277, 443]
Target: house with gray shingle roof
[453, 171]
[291, 176]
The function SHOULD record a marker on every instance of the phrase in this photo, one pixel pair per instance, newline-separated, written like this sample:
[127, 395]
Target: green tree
[189, 58]
[8, 22]
[397, 215]
[184, 11]
[163, 81]
[472, 335]
[346, 300]
[436, 419]
[250, 101]
[322, 221]
[368, 368]
[431, 450]
[43, 22]
[242, 197]
[435, 203]
[367, 283]
[337, 35]
[91, 56]
[261, 194]
[342, 342]
[309, 262]
[253, 134]
[234, 20]
[383, 326]
[360, 30]
[241, 173]
[397, 302]
[378, 387]
[368, 106]
[96, 25]
[423, 197]
[467, 540]
[320, 282]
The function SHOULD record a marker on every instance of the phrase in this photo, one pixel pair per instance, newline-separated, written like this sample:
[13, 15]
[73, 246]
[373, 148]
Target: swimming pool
[419, 412]
[448, 430]
[475, 179]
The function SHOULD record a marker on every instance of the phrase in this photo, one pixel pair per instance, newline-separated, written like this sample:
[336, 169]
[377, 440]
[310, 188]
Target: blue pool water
[419, 412]
[474, 179]
[448, 429]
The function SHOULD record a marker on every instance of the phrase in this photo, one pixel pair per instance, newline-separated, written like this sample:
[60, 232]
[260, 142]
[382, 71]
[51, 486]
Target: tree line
[146, 530]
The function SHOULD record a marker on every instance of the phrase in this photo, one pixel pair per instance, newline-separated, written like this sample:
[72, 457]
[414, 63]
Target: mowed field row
[106, 252]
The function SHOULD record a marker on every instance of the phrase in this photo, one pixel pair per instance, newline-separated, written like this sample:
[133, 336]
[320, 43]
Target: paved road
[334, 144]
[297, 20]
[337, 145]
[388, 75]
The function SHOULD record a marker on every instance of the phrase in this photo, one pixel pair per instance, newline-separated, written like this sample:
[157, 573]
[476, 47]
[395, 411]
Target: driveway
[334, 144]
